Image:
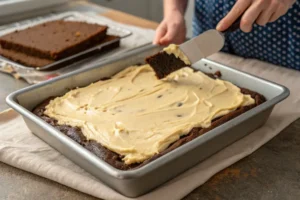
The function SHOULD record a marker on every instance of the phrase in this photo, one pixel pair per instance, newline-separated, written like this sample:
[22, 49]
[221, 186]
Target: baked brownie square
[54, 40]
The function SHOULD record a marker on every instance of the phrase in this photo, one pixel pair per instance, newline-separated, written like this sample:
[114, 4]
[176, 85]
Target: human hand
[255, 11]
[171, 30]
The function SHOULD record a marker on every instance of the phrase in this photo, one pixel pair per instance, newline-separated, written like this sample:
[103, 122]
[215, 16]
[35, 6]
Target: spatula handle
[234, 26]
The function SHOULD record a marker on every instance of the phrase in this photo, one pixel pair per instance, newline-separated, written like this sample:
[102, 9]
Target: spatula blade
[204, 45]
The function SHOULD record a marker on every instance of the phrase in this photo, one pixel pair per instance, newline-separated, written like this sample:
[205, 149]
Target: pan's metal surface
[139, 181]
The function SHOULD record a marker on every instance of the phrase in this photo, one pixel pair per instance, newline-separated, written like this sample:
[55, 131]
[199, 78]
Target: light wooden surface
[130, 19]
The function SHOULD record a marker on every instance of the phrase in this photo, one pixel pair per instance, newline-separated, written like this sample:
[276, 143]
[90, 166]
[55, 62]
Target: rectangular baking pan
[136, 182]
[75, 16]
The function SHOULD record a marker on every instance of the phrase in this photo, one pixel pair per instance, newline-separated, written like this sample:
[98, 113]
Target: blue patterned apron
[277, 42]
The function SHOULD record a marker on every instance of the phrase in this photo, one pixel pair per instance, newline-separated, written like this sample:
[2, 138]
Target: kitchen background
[148, 9]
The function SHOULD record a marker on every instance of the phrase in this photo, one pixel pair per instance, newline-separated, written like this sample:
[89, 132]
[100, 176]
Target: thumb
[168, 37]
[160, 32]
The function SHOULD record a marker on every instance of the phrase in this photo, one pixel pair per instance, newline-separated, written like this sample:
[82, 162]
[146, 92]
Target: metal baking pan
[136, 182]
[74, 16]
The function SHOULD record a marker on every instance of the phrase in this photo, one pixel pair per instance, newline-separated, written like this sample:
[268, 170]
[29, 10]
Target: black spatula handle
[234, 26]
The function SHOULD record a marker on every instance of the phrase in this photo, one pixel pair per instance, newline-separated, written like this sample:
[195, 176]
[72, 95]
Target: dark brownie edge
[163, 64]
[114, 159]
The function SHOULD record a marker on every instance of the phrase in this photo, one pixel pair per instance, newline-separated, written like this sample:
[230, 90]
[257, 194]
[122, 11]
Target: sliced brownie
[54, 40]
[163, 63]
[22, 58]
[33, 61]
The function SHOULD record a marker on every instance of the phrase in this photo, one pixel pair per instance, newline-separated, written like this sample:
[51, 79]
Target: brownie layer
[33, 61]
[116, 160]
[163, 63]
[54, 40]
[22, 58]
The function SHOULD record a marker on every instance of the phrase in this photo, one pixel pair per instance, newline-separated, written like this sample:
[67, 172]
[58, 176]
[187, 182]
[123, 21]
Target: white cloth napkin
[21, 149]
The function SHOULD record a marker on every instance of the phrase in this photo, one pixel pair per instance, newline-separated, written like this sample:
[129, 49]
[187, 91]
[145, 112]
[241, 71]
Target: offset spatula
[206, 44]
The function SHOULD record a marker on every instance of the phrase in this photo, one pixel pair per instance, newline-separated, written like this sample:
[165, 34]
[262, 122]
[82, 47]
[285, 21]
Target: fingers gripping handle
[235, 26]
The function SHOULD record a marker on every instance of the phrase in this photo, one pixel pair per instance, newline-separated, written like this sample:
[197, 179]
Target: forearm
[175, 5]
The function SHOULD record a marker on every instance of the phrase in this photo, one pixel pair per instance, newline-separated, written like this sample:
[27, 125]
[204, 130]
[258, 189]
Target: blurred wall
[189, 17]
[149, 9]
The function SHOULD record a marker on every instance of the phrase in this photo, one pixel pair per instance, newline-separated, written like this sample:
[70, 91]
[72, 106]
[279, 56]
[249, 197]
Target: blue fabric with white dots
[277, 42]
